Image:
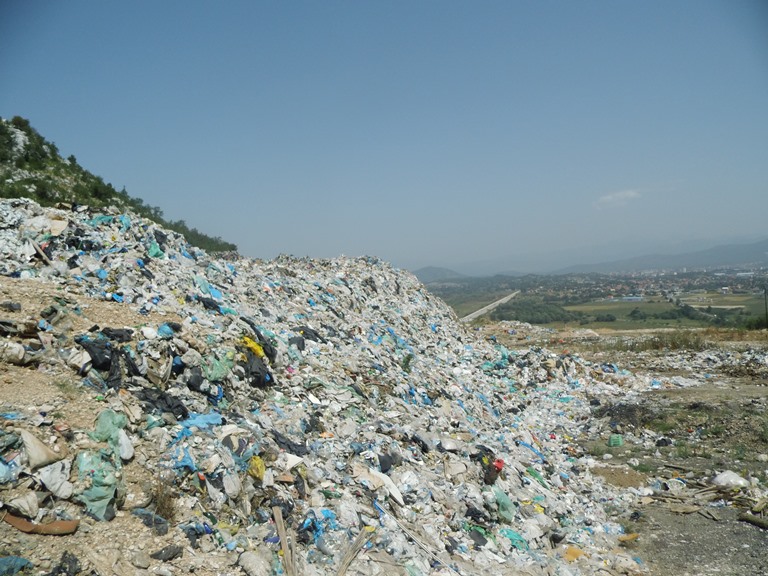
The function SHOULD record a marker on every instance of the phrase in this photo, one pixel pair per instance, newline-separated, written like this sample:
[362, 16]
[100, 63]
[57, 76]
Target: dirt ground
[733, 411]
[51, 392]
[680, 534]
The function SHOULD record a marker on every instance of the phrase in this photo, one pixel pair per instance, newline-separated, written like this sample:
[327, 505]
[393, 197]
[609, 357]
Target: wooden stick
[362, 539]
[39, 250]
[709, 514]
[758, 521]
[287, 556]
[419, 543]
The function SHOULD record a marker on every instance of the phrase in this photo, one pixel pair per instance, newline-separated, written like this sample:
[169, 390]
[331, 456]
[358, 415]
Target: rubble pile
[750, 362]
[307, 416]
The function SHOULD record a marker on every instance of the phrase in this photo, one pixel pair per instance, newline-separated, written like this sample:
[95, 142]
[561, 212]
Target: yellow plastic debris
[631, 537]
[253, 346]
[257, 468]
[572, 553]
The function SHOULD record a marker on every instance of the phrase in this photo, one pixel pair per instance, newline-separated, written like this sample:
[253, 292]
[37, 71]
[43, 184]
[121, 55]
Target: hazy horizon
[425, 134]
[555, 261]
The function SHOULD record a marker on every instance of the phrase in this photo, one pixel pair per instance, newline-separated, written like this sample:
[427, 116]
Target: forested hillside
[31, 167]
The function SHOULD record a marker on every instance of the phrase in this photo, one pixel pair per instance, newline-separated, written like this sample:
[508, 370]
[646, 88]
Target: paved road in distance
[491, 306]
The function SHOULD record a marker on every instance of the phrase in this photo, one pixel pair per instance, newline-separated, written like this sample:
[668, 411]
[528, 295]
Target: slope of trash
[301, 416]
[693, 427]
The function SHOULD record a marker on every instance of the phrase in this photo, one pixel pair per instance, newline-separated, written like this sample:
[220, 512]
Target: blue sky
[483, 136]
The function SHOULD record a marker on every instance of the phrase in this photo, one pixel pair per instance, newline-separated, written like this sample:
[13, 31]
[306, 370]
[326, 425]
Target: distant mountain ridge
[31, 167]
[735, 255]
[435, 274]
[729, 255]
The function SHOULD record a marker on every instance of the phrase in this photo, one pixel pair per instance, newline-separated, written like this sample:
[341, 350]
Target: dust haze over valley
[520, 137]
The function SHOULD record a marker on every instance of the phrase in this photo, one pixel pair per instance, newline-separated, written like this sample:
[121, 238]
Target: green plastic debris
[313, 382]
[95, 469]
[616, 440]
[202, 284]
[506, 508]
[216, 369]
[154, 251]
[413, 570]
[97, 221]
[538, 477]
[468, 526]
[515, 538]
[153, 422]
[108, 426]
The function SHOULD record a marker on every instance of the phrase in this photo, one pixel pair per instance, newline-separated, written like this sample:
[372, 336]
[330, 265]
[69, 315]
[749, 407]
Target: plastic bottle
[9, 472]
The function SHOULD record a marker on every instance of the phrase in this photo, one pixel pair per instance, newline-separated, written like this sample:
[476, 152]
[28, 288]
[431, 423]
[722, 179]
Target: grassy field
[620, 307]
[755, 304]
[752, 304]
[622, 310]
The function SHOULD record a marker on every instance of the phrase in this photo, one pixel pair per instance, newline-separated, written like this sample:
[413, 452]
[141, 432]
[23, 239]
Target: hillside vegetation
[31, 167]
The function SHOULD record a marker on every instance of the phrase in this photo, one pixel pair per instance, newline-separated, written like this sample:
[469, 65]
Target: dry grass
[736, 335]
[660, 341]
[164, 498]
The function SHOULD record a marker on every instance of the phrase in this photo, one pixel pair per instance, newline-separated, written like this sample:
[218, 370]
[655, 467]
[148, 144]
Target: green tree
[6, 144]
[43, 161]
[605, 318]
[638, 314]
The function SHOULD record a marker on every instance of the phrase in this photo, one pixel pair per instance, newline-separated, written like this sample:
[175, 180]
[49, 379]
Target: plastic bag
[100, 497]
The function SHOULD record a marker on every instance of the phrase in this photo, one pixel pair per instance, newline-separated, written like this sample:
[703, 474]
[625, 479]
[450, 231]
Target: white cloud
[620, 198]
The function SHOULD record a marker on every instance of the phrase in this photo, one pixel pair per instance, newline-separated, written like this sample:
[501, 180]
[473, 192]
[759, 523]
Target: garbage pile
[308, 416]
[751, 362]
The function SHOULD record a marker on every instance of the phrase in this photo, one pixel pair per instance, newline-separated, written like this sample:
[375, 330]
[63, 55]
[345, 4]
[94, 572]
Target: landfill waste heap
[304, 416]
